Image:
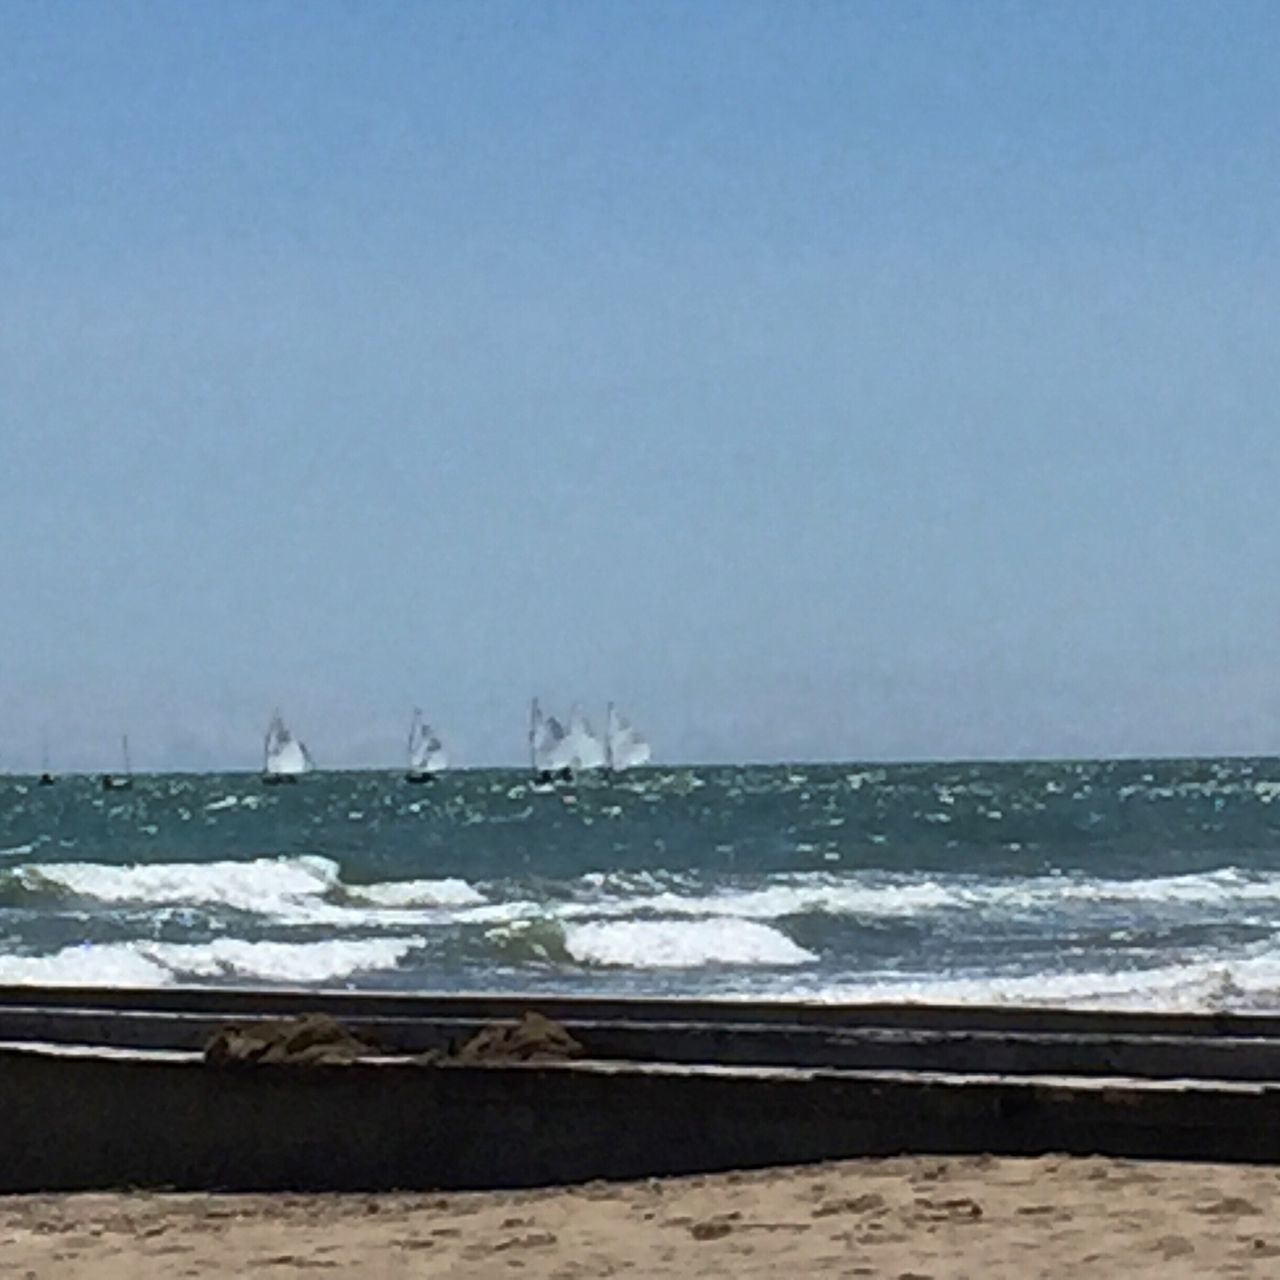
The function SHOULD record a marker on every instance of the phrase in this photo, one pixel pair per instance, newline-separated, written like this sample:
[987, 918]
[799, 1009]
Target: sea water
[1118, 883]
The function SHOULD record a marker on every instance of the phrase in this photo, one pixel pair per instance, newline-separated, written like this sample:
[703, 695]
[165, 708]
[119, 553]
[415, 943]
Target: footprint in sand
[871, 1202]
[533, 1240]
[1227, 1206]
[1174, 1247]
[958, 1209]
[1260, 1248]
[711, 1230]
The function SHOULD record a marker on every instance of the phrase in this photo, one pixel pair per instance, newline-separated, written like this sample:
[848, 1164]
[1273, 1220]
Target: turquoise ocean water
[1148, 883]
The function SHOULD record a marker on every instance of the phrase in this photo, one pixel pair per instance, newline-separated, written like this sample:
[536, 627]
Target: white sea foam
[771, 902]
[886, 895]
[417, 893]
[111, 965]
[1245, 980]
[268, 886]
[150, 964]
[303, 890]
[681, 944]
[309, 891]
[504, 912]
[280, 961]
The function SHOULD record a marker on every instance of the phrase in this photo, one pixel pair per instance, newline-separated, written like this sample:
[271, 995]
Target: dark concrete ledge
[78, 1118]
[106, 1088]
[1099, 1052]
[478, 1008]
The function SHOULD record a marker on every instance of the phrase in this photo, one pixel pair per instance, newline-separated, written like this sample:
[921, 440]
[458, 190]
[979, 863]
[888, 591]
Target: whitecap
[110, 965]
[304, 890]
[417, 893]
[1246, 980]
[900, 896]
[269, 886]
[681, 944]
[301, 962]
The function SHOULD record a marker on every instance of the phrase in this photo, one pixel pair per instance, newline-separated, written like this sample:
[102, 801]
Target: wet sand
[903, 1218]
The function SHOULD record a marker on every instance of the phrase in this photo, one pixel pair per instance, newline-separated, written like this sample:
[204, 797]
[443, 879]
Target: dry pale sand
[901, 1218]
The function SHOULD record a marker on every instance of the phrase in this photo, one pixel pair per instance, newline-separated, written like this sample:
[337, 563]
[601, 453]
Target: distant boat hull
[110, 783]
[544, 777]
[417, 777]
[279, 779]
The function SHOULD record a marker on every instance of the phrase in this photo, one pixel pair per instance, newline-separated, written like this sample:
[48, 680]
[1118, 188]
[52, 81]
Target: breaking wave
[905, 895]
[417, 893]
[304, 890]
[146, 964]
[667, 944]
[1238, 982]
[265, 886]
[1144, 884]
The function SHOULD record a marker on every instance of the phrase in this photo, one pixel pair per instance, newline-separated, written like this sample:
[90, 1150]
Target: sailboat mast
[608, 738]
[124, 748]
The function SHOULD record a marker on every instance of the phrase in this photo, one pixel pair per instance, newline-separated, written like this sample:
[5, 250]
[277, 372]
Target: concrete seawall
[106, 1089]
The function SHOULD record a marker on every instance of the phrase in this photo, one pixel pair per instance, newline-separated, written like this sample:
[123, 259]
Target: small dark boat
[120, 781]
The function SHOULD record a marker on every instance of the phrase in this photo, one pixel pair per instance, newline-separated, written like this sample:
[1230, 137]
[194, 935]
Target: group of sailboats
[286, 758]
[122, 781]
[558, 752]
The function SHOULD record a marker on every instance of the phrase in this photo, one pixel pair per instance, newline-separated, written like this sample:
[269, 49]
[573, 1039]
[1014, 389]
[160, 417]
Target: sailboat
[427, 755]
[120, 781]
[585, 750]
[284, 757]
[46, 779]
[624, 746]
[548, 757]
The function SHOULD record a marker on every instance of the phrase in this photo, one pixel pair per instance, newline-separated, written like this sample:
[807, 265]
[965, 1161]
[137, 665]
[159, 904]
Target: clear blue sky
[815, 379]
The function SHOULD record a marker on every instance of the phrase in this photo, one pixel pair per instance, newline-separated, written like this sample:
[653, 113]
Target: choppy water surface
[1125, 883]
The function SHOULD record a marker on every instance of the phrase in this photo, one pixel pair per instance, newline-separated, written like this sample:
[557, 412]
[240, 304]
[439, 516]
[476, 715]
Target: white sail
[625, 746]
[584, 749]
[426, 751]
[282, 753]
[547, 742]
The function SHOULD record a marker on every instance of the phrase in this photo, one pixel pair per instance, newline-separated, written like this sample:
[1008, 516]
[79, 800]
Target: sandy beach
[907, 1218]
